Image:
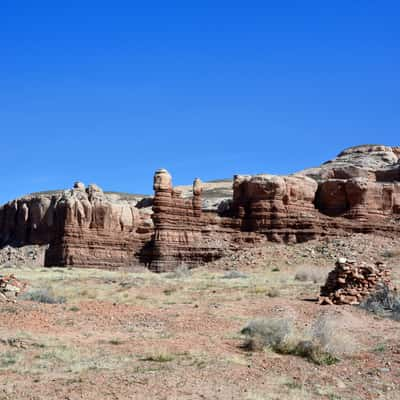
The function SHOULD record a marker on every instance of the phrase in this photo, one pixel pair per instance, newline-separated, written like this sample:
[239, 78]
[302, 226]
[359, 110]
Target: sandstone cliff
[82, 226]
[358, 191]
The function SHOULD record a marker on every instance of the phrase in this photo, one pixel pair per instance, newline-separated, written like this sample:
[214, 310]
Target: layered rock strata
[279, 207]
[81, 226]
[358, 191]
[91, 230]
[184, 234]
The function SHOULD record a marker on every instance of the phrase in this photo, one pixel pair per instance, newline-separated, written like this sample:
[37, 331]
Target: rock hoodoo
[358, 191]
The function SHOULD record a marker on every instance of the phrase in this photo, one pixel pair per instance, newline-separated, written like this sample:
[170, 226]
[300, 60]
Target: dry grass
[384, 302]
[127, 287]
[311, 274]
[159, 356]
[324, 343]
[272, 333]
[39, 355]
[327, 332]
[44, 295]
[158, 317]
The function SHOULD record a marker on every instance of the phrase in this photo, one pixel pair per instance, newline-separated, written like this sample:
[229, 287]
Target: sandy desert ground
[133, 334]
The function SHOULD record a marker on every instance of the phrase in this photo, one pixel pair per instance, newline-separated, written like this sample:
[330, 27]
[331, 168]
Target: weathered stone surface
[366, 159]
[350, 282]
[91, 230]
[81, 226]
[29, 220]
[358, 198]
[183, 235]
[281, 207]
[214, 193]
[358, 191]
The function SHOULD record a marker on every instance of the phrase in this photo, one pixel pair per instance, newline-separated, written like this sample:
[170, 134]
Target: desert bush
[180, 273]
[43, 296]
[160, 357]
[390, 253]
[323, 344]
[116, 342]
[273, 292]
[169, 291]
[8, 359]
[311, 274]
[273, 333]
[314, 352]
[383, 302]
[234, 275]
[327, 334]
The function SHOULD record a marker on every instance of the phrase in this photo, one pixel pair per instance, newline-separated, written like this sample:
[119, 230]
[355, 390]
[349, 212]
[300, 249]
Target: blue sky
[109, 91]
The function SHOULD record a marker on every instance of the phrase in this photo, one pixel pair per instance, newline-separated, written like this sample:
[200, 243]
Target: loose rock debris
[350, 282]
[10, 288]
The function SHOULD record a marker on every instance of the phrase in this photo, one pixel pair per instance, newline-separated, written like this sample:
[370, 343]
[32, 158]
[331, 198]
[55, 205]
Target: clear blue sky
[109, 91]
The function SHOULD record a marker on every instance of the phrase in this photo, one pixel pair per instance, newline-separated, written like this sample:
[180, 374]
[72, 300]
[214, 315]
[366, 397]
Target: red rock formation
[359, 191]
[81, 226]
[28, 220]
[279, 207]
[93, 231]
[359, 198]
[182, 234]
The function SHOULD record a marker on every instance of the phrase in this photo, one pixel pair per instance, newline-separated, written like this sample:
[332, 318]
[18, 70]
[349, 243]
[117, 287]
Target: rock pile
[350, 282]
[10, 287]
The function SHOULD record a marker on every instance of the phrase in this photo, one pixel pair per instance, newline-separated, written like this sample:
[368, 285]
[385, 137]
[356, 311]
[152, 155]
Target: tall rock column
[182, 233]
[197, 191]
[162, 204]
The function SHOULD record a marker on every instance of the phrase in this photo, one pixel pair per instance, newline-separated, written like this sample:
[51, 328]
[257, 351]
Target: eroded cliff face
[362, 183]
[93, 230]
[29, 220]
[82, 226]
[184, 234]
[364, 159]
[358, 191]
[279, 207]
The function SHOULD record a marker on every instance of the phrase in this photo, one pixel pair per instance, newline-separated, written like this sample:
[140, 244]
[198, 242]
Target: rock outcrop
[279, 207]
[358, 191]
[214, 193]
[91, 230]
[82, 226]
[364, 158]
[29, 220]
[183, 234]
